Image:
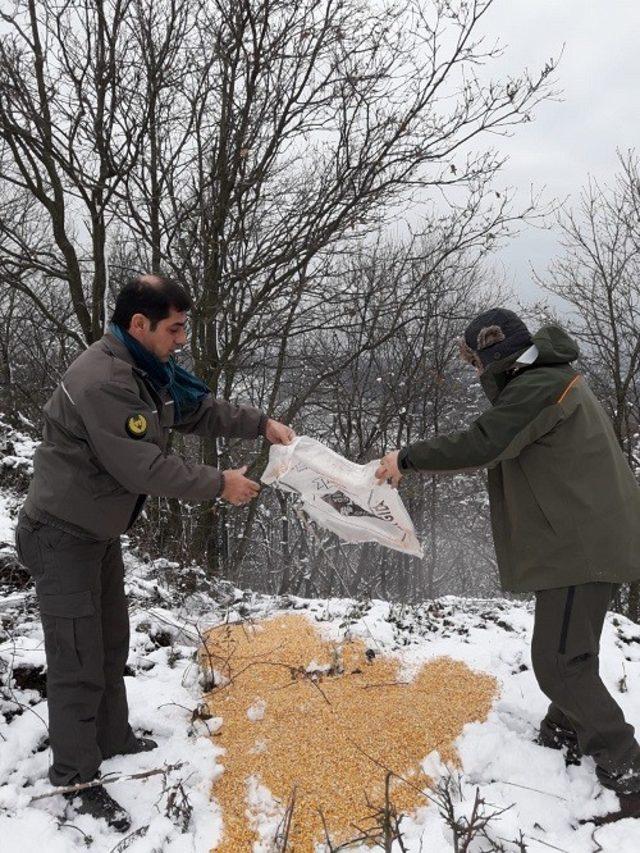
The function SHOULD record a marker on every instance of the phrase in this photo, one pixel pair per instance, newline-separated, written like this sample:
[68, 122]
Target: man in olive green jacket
[104, 450]
[565, 513]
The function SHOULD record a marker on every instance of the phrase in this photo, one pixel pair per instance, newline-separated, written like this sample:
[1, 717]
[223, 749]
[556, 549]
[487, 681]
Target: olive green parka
[565, 505]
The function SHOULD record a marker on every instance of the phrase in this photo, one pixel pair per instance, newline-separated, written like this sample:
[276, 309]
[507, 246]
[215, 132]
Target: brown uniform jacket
[105, 439]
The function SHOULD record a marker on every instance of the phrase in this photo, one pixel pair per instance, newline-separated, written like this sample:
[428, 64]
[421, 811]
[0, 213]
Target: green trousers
[80, 590]
[565, 649]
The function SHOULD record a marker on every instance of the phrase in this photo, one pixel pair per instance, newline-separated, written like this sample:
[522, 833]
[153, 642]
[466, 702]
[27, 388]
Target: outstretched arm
[527, 409]
[220, 418]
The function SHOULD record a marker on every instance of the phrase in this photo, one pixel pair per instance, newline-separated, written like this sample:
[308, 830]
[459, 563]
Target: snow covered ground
[543, 800]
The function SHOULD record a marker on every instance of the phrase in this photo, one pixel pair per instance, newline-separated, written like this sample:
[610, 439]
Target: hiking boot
[133, 746]
[556, 736]
[629, 807]
[624, 782]
[98, 803]
[141, 744]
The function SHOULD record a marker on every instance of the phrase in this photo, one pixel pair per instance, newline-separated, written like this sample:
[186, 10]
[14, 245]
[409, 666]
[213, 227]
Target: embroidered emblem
[136, 426]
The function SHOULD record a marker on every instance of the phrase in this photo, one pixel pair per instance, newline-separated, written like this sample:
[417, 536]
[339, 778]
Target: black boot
[629, 807]
[95, 801]
[556, 736]
[140, 744]
[133, 746]
[625, 782]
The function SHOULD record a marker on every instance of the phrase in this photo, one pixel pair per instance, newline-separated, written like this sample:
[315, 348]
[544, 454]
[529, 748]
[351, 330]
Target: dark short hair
[154, 299]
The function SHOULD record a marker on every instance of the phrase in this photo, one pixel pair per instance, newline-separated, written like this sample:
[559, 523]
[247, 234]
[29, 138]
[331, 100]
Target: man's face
[168, 335]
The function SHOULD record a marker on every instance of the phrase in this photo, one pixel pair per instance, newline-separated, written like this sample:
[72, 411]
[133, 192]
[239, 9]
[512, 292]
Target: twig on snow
[109, 779]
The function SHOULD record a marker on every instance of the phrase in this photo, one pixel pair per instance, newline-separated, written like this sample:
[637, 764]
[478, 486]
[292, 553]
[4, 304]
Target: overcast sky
[599, 75]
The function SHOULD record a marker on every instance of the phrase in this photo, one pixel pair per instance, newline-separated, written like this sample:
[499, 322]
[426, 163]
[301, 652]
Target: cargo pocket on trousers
[28, 547]
[69, 627]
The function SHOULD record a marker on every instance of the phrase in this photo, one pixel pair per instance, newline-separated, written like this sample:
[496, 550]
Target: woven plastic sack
[342, 496]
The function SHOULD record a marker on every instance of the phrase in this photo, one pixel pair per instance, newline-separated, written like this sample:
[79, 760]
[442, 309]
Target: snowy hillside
[536, 801]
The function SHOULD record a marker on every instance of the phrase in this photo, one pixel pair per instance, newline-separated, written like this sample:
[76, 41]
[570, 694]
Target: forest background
[322, 177]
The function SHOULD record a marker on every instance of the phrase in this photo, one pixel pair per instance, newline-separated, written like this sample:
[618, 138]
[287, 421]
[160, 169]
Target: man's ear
[138, 323]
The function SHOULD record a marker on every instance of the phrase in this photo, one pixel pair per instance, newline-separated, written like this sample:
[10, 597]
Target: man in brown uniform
[104, 449]
[565, 513]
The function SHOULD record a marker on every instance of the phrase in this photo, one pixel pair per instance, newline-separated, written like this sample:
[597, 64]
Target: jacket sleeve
[525, 411]
[215, 417]
[139, 464]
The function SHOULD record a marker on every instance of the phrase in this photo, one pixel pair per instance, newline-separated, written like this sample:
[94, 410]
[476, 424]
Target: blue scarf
[186, 389]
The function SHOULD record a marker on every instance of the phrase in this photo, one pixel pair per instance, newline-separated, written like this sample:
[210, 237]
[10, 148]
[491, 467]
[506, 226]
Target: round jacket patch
[136, 426]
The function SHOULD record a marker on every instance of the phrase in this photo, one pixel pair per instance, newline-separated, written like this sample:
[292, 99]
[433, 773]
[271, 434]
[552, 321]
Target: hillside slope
[536, 800]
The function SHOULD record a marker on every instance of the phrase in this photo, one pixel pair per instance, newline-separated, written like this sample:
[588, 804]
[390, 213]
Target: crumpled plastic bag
[342, 496]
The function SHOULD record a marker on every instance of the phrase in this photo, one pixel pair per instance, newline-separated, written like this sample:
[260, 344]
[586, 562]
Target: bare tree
[378, 391]
[251, 149]
[72, 118]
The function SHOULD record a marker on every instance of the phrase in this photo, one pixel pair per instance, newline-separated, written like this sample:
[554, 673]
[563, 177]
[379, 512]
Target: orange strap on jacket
[568, 388]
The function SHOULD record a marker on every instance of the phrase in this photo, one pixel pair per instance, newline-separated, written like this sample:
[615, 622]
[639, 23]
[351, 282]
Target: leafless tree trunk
[72, 120]
[256, 150]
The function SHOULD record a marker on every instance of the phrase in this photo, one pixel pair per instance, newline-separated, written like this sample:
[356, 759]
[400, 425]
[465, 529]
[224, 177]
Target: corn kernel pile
[327, 722]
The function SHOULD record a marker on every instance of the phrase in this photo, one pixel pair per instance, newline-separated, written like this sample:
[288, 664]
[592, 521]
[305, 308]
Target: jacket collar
[117, 349]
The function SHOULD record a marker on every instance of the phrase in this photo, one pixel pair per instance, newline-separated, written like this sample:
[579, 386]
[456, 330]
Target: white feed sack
[342, 496]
